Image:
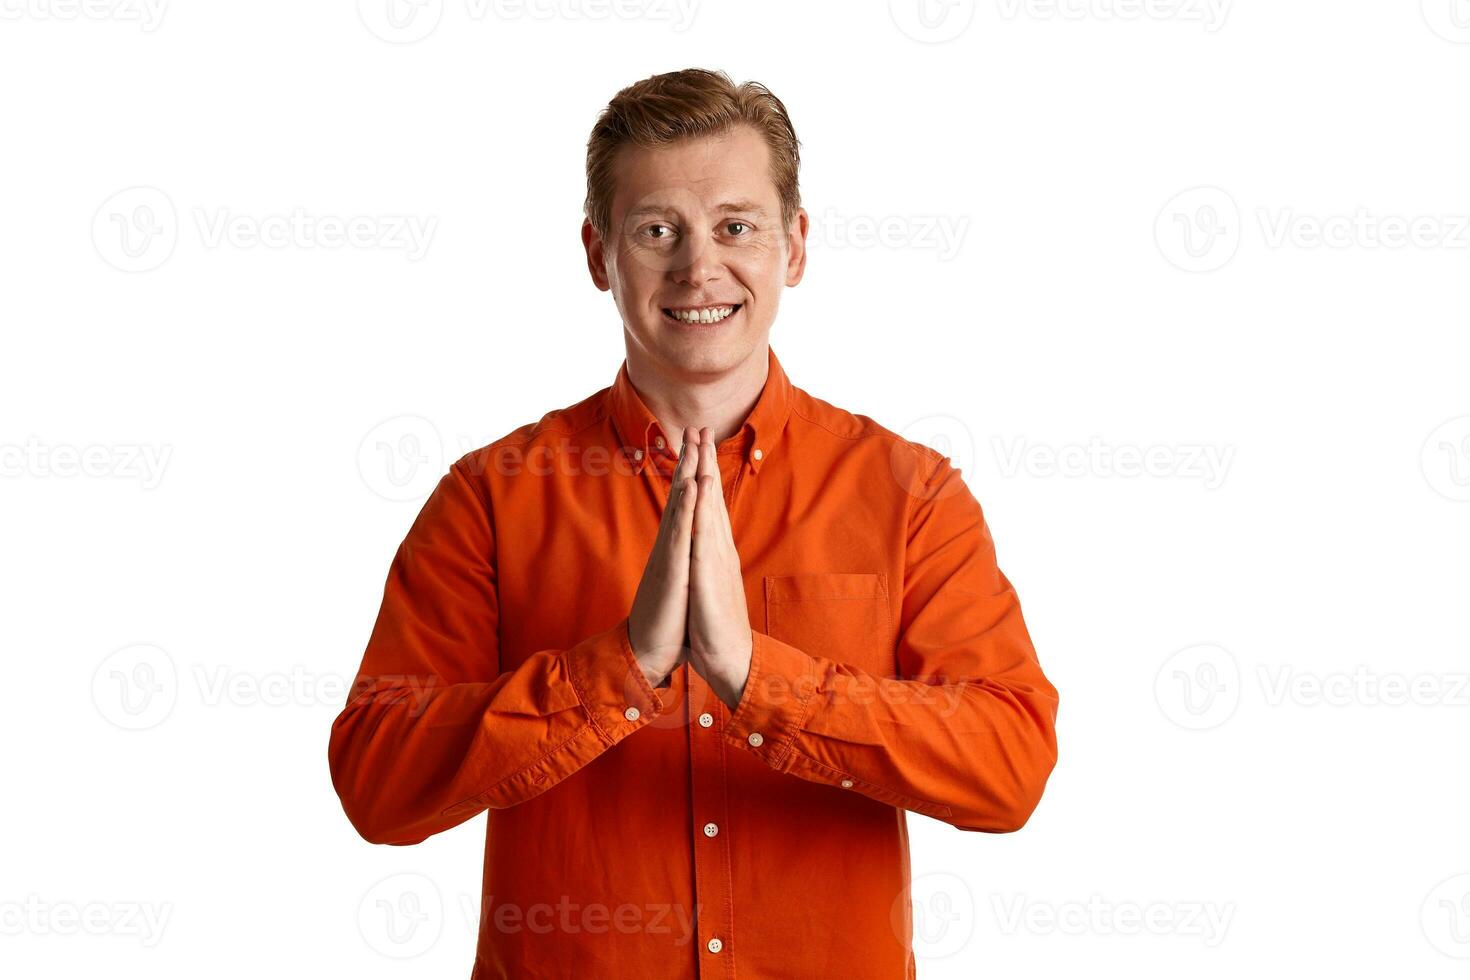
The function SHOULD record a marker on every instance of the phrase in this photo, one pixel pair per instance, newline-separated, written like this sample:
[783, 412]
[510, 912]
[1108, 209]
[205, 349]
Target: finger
[671, 502]
[682, 530]
[688, 457]
[709, 462]
[704, 518]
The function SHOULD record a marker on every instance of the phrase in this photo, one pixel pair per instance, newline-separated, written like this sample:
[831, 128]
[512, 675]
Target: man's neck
[722, 401]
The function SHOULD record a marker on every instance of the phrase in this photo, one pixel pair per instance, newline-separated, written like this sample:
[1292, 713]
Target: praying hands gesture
[691, 600]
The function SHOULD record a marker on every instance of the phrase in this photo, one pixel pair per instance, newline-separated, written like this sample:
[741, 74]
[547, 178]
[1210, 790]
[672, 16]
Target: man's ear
[796, 243]
[596, 255]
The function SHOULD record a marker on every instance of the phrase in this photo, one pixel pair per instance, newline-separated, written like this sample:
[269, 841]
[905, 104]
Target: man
[698, 641]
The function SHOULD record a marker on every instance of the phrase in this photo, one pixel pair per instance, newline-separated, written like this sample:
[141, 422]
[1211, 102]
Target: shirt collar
[638, 429]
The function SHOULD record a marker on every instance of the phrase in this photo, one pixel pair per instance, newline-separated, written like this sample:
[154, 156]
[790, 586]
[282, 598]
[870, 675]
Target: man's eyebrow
[744, 207]
[740, 207]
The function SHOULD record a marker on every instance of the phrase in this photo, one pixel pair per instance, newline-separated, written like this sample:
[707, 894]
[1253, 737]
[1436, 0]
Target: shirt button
[706, 720]
[755, 738]
[711, 829]
[847, 784]
[631, 714]
[659, 442]
[637, 454]
[757, 454]
[715, 945]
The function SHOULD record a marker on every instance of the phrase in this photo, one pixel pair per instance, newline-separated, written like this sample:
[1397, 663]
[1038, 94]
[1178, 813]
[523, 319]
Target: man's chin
[707, 353]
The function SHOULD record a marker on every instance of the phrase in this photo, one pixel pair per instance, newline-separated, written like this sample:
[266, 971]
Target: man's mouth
[701, 314]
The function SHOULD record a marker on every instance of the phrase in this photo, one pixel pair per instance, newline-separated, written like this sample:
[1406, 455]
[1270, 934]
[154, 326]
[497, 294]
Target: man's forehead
[728, 172]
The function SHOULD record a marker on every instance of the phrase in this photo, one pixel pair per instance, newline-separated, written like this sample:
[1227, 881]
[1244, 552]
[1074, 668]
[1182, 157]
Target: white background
[1228, 240]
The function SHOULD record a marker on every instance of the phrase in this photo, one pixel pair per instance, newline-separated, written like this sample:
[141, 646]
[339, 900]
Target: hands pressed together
[691, 600]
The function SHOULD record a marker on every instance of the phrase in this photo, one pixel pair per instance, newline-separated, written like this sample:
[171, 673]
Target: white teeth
[710, 314]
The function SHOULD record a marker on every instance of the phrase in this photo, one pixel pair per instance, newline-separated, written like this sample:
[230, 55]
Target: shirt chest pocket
[843, 616]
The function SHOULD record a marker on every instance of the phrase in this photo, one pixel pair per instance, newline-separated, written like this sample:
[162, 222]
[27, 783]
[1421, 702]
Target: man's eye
[652, 229]
[737, 224]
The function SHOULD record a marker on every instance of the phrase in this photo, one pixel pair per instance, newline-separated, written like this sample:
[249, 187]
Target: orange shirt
[652, 832]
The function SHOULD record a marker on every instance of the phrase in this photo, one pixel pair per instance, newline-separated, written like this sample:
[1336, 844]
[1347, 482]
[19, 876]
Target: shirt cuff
[611, 685]
[778, 692]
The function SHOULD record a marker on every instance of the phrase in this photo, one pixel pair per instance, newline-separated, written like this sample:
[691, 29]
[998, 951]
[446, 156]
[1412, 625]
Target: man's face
[696, 230]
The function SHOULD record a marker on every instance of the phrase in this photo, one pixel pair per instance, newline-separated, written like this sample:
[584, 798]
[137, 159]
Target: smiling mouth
[702, 315]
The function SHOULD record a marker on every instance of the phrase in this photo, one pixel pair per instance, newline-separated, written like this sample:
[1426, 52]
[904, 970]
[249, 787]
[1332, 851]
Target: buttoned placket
[714, 899]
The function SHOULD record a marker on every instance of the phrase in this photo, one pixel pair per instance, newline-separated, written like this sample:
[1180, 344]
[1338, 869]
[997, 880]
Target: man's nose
[697, 262]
